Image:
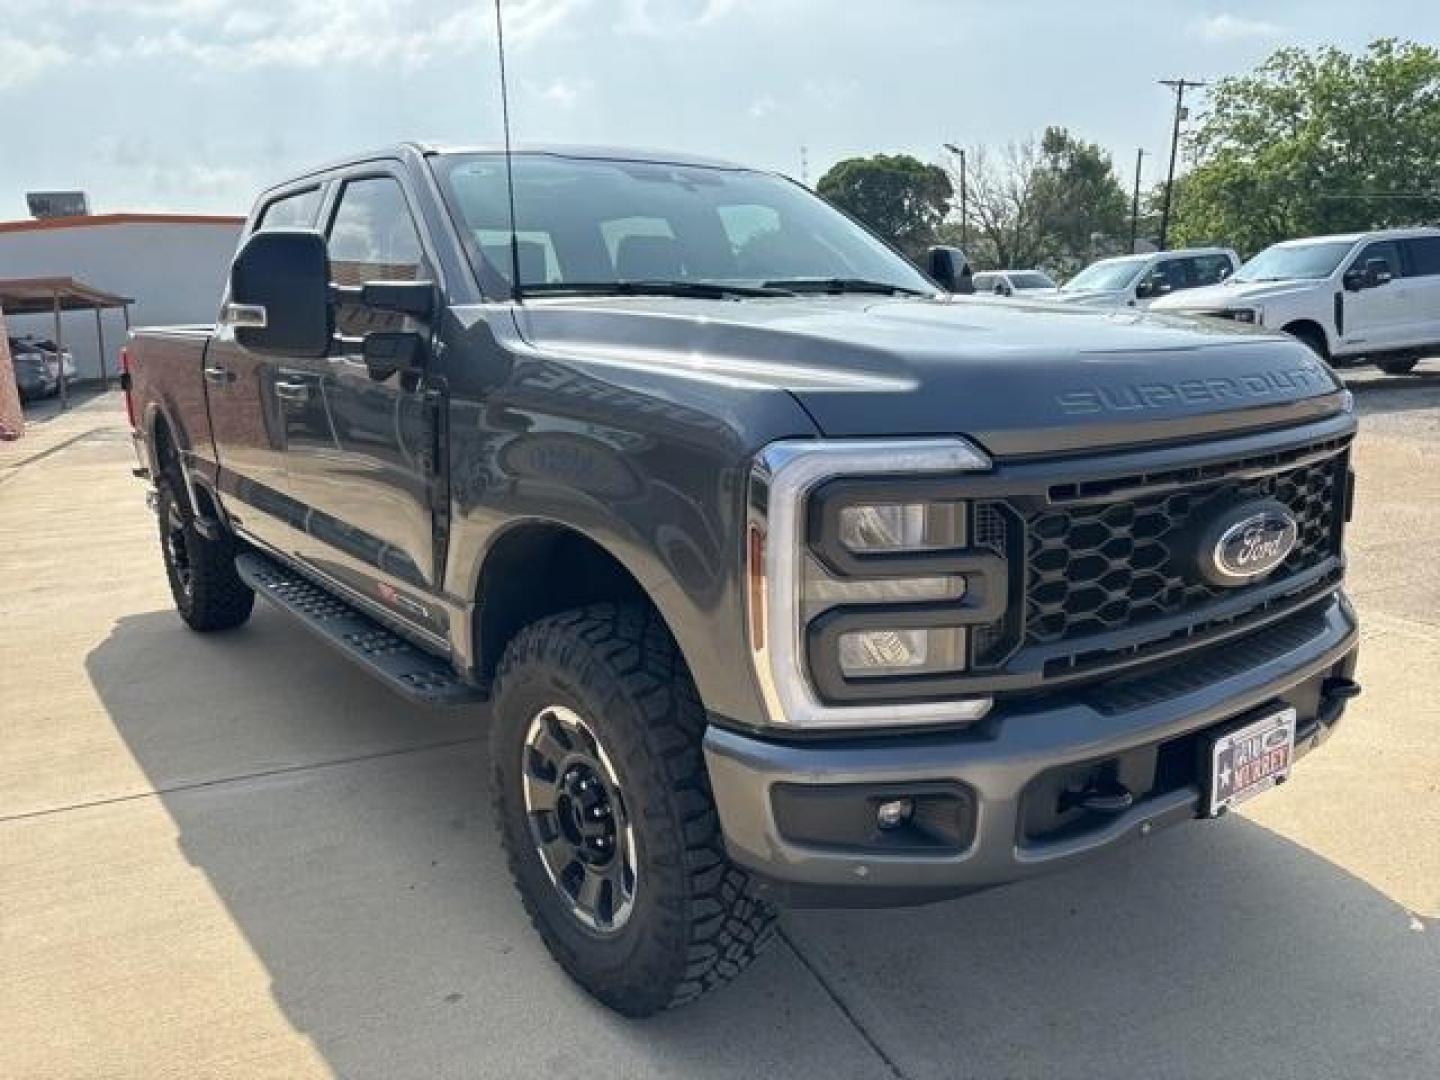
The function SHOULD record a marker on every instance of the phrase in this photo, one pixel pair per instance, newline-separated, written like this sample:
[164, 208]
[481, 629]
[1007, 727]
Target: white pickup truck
[1359, 296]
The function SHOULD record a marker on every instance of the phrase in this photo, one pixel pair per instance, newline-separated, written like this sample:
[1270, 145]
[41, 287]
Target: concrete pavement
[234, 855]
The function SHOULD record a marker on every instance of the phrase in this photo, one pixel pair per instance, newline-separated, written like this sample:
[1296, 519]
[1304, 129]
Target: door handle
[219, 374]
[292, 391]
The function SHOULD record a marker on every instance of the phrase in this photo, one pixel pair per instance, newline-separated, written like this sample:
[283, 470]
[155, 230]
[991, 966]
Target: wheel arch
[537, 567]
[1306, 328]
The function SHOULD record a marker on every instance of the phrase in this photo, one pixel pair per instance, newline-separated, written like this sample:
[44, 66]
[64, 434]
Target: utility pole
[964, 196]
[1179, 86]
[1135, 200]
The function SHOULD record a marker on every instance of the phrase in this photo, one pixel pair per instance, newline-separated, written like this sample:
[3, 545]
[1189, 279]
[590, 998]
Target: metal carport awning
[36, 296]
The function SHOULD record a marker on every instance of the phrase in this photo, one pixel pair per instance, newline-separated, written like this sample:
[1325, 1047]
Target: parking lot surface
[237, 856]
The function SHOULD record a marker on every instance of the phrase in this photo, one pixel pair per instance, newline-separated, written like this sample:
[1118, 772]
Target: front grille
[1102, 566]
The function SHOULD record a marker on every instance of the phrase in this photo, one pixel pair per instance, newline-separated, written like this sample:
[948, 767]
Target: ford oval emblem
[1247, 542]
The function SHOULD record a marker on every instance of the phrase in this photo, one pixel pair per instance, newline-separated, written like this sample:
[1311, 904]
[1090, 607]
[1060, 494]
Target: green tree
[901, 198]
[1315, 142]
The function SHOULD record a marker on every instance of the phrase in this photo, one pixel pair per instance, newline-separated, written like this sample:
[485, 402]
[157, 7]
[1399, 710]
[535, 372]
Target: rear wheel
[208, 592]
[1398, 365]
[605, 811]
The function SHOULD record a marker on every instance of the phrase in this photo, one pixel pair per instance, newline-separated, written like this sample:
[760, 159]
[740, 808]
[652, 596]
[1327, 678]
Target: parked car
[1028, 283]
[1139, 280]
[786, 581]
[1357, 296]
[36, 375]
[58, 358]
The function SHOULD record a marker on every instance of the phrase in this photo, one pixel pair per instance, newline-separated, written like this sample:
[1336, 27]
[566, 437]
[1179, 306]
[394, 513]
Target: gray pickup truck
[790, 576]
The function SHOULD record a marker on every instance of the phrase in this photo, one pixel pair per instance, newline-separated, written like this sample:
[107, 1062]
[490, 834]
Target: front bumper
[1001, 778]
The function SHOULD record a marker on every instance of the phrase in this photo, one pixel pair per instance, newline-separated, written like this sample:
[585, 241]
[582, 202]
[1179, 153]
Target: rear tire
[595, 711]
[1400, 365]
[208, 592]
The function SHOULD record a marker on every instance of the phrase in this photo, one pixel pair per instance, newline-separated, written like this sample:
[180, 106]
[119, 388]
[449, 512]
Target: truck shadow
[349, 836]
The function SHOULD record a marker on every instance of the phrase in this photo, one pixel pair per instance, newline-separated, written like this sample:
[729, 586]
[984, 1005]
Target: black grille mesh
[1101, 567]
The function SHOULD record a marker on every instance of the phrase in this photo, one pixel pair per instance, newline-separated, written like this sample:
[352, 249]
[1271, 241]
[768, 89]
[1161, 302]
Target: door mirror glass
[950, 268]
[280, 294]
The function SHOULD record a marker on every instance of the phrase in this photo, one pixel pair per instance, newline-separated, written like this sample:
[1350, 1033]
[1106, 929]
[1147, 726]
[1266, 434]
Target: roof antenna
[509, 168]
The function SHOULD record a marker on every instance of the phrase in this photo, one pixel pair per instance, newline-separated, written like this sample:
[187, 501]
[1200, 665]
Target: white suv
[1138, 280]
[1372, 296]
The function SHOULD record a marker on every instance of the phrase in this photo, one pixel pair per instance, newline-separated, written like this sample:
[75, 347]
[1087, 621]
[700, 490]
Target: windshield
[1107, 274]
[1031, 279]
[583, 222]
[1292, 262]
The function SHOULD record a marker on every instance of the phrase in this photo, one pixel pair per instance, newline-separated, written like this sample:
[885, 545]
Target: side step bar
[406, 668]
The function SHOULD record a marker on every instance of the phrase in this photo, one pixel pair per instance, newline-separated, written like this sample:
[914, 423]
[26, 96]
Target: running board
[407, 669]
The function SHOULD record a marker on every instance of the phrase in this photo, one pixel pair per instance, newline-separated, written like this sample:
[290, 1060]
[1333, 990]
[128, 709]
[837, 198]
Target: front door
[1375, 315]
[360, 451]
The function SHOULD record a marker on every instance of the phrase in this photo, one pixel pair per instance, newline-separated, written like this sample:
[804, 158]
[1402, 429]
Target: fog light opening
[894, 813]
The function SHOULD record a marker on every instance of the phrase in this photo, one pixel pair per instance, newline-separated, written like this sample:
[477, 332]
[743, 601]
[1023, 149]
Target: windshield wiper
[704, 290]
[844, 285]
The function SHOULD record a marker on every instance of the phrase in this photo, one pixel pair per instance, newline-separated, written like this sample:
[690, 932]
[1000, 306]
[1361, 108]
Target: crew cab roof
[1373, 234]
[599, 153]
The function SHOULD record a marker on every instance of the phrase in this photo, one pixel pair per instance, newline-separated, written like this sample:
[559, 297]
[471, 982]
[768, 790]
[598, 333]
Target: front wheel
[605, 812]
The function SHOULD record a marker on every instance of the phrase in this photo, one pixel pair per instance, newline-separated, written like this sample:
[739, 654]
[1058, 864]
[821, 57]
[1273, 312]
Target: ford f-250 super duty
[791, 578]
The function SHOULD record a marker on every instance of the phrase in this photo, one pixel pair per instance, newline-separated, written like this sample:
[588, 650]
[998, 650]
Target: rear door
[245, 420]
[1422, 282]
[360, 452]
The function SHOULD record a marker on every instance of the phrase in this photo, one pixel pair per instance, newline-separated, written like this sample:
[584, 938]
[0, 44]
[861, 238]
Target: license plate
[1251, 759]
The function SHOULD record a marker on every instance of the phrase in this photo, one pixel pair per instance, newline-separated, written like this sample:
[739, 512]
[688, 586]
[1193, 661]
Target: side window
[1209, 269]
[291, 211]
[1424, 254]
[372, 236]
[1167, 276]
[1383, 249]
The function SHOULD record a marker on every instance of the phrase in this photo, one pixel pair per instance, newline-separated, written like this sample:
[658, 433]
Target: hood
[1231, 294]
[1091, 297]
[1017, 377]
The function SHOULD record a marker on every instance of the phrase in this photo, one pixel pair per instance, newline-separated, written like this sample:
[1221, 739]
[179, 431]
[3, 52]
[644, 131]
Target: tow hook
[1110, 798]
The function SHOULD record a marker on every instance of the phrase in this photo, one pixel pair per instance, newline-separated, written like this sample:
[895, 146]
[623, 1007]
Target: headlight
[862, 586]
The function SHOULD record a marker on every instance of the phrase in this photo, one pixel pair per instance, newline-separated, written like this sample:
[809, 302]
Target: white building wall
[173, 270]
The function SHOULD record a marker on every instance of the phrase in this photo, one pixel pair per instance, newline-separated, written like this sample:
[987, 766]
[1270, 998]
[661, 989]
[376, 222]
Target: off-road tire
[212, 596]
[1400, 365]
[693, 926]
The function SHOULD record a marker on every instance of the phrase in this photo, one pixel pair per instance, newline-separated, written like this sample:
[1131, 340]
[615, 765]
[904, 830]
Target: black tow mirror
[950, 267]
[280, 294]
[1377, 272]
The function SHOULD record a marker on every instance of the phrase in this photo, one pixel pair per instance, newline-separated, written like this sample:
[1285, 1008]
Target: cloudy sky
[195, 104]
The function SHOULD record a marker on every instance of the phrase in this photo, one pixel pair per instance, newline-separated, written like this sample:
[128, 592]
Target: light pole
[1135, 200]
[1179, 86]
[964, 196]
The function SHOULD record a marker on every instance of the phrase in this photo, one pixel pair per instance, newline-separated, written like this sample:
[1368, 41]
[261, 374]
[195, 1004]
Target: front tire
[604, 808]
[209, 594]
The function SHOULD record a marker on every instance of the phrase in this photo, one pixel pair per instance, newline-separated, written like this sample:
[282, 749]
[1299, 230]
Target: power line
[1179, 86]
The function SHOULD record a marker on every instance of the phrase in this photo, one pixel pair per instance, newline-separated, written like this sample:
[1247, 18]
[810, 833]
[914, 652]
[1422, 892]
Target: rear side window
[372, 236]
[1424, 254]
[295, 211]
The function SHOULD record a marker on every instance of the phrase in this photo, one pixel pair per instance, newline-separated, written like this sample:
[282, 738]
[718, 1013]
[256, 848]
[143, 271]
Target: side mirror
[950, 267]
[280, 294]
[1377, 272]
[1145, 290]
